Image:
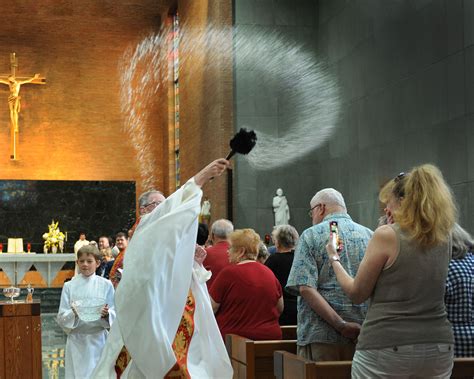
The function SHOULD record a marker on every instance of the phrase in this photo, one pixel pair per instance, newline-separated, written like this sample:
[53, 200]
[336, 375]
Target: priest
[161, 280]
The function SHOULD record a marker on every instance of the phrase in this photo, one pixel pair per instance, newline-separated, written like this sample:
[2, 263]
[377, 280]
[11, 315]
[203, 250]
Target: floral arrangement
[54, 239]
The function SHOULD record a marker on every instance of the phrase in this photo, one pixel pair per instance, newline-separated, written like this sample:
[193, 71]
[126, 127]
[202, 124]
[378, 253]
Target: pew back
[463, 368]
[291, 366]
[288, 332]
[254, 359]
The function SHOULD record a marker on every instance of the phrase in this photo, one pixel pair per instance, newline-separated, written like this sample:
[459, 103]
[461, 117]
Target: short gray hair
[286, 236]
[329, 196]
[262, 252]
[222, 228]
[143, 199]
[462, 242]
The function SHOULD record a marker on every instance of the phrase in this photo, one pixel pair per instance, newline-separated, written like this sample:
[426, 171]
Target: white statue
[281, 208]
[205, 215]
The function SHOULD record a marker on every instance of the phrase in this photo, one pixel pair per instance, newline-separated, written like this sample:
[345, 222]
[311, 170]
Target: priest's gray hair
[328, 196]
[462, 242]
[143, 199]
[222, 228]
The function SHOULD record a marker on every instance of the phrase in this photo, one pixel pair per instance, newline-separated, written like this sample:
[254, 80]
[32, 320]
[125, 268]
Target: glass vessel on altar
[1, 248]
[28, 247]
[11, 292]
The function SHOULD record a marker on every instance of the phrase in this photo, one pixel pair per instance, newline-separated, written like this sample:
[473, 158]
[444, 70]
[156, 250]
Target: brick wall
[206, 100]
[72, 127]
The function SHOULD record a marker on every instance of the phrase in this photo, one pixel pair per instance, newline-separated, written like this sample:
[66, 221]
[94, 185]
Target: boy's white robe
[85, 340]
[150, 299]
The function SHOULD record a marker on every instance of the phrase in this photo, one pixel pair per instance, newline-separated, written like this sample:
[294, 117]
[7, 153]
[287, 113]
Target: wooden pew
[254, 359]
[288, 332]
[291, 366]
[463, 368]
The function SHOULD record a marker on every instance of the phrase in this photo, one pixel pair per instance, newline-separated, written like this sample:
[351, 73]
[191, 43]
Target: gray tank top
[407, 305]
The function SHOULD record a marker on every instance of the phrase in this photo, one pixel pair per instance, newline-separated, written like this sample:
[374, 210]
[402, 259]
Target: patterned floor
[54, 343]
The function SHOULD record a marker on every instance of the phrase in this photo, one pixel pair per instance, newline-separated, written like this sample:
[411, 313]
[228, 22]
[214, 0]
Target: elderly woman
[246, 296]
[406, 332]
[263, 253]
[285, 238]
[459, 296]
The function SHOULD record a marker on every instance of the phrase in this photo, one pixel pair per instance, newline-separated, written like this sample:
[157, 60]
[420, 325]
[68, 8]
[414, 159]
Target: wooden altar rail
[291, 366]
[254, 359]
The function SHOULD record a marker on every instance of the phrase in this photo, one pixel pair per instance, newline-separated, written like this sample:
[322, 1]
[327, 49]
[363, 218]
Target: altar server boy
[85, 339]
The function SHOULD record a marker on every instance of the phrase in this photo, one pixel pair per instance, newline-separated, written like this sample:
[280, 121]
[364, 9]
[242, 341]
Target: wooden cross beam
[14, 100]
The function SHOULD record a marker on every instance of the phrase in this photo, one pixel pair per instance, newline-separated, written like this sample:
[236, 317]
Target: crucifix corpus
[14, 83]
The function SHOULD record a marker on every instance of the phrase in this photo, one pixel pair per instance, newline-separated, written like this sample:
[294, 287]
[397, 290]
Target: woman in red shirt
[246, 296]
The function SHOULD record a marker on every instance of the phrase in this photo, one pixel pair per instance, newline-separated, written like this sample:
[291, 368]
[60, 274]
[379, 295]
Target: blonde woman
[246, 296]
[406, 332]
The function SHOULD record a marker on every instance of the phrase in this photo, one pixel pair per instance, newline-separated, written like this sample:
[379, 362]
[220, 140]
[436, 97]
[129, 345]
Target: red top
[248, 295]
[217, 258]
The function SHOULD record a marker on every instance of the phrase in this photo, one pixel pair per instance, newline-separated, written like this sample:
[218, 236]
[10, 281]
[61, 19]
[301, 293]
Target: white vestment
[79, 244]
[150, 299]
[85, 340]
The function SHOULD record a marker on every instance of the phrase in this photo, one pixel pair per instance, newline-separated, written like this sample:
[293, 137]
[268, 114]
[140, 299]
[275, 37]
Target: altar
[16, 265]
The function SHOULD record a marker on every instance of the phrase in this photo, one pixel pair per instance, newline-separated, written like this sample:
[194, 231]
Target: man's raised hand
[213, 169]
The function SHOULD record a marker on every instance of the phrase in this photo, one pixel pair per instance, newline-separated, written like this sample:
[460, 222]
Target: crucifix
[14, 83]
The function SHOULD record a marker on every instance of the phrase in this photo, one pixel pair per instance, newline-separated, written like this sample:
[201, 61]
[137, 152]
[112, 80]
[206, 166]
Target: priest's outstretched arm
[213, 169]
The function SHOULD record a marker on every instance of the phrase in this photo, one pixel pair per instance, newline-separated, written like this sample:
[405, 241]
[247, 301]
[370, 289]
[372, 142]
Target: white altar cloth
[48, 265]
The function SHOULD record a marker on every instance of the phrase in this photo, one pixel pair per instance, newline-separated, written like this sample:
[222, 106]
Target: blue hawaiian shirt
[312, 268]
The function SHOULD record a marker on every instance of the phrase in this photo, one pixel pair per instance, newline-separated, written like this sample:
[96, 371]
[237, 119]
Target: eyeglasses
[399, 177]
[310, 212]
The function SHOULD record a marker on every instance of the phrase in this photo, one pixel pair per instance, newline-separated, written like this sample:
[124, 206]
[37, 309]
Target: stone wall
[73, 128]
[405, 75]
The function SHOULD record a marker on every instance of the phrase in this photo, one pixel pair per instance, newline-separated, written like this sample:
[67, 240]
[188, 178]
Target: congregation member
[285, 238]
[104, 243]
[263, 253]
[406, 332]
[246, 296]
[328, 321]
[202, 234]
[217, 256]
[106, 263]
[85, 339]
[121, 242]
[164, 316]
[459, 297]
